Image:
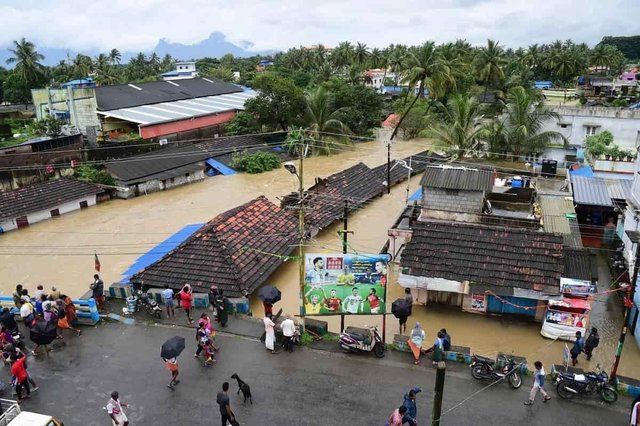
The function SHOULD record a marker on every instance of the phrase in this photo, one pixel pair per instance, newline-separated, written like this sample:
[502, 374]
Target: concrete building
[183, 70]
[21, 207]
[74, 103]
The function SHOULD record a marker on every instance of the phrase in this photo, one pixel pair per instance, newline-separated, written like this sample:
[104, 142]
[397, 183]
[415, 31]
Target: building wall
[624, 124]
[38, 216]
[451, 205]
[84, 103]
[156, 185]
[162, 129]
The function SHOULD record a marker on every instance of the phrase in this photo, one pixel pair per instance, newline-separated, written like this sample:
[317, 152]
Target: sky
[138, 25]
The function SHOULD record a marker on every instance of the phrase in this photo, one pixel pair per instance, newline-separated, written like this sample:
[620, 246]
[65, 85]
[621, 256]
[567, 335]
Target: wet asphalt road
[308, 387]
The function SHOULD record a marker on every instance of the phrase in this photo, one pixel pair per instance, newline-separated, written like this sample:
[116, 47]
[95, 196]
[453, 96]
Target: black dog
[242, 386]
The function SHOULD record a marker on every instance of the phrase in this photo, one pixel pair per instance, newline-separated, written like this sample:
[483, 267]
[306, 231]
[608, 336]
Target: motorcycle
[569, 385]
[482, 368]
[367, 339]
[148, 302]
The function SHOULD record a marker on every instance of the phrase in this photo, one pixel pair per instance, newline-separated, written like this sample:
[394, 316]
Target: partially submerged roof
[488, 255]
[155, 92]
[149, 114]
[238, 249]
[462, 178]
[591, 191]
[399, 168]
[43, 196]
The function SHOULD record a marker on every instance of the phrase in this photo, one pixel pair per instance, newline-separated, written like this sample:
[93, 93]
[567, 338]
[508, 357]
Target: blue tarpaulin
[221, 168]
[417, 196]
[160, 250]
[582, 171]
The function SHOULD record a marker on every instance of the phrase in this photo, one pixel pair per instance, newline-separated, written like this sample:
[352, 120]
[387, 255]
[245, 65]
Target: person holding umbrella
[169, 353]
[42, 333]
[269, 296]
[401, 309]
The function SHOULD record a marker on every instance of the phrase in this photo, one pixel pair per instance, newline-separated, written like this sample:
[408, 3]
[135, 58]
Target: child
[208, 352]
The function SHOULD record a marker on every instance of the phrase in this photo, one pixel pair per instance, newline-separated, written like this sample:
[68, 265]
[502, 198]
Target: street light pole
[301, 259]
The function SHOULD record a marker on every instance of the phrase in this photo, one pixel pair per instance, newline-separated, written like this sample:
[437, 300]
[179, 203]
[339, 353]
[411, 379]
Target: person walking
[415, 342]
[268, 309]
[115, 411]
[396, 417]
[19, 371]
[97, 291]
[226, 415]
[221, 307]
[446, 340]
[438, 348]
[171, 364]
[538, 384]
[186, 301]
[270, 339]
[288, 330]
[167, 296]
[412, 409]
[592, 342]
[578, 347]
[403, 319]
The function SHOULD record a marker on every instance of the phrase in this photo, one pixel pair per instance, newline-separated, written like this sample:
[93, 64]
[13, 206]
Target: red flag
[97, 262]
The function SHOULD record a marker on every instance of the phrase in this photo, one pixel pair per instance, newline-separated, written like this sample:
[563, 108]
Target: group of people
[185, 301]
[582, 346]
[407, 412]
[290, 333]
[441, 344]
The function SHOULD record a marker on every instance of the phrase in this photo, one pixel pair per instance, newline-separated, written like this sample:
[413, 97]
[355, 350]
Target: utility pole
[344, 233]
[389, 167]
[634, 236]
[438, 393]
[301, 260]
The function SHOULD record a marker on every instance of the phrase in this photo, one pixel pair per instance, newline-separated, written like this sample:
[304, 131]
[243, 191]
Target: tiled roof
[590, 190]
[580, 265]
[485, 255]
[238, 249]
[448, 177]
[325, 199]
[43, 196]
[221, 146]
[417, 162]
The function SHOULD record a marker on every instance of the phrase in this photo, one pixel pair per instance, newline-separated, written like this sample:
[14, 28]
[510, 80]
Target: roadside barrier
[85, 308]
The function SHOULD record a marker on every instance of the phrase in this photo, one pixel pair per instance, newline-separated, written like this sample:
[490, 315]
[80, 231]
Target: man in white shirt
[167, 296]
[115, 411]
[352, 302]
[288, 330]
[26, 309]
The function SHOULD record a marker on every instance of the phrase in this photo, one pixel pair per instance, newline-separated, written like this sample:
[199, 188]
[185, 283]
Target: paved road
[309, 387]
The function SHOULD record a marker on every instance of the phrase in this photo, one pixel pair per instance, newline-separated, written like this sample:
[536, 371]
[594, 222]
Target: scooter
[569, 385]
[150, 305]
[366, 339]
[482, 368]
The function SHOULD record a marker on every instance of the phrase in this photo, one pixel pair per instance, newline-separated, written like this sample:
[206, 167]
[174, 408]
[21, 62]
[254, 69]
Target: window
[451, 191]
[590, 130]
[84, 204]
[563, 126]
[55, 213]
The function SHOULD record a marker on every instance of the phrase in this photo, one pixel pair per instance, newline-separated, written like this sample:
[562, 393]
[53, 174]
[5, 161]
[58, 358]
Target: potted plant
[596, 149]
[612, 152]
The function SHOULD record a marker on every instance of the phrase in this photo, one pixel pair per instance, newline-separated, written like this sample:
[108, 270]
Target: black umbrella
[401, 308]
[43, 332]
[172, 347]
[269, 294]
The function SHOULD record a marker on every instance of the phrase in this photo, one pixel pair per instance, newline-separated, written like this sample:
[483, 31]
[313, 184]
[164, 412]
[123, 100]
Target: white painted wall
[10, 224]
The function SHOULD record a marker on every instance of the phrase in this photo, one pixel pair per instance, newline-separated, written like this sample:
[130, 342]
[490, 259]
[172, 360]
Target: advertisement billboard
[345, 283]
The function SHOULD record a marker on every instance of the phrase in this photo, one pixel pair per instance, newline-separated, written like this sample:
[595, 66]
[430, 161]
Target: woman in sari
[270, 339]
[70, 311]
[415, 342]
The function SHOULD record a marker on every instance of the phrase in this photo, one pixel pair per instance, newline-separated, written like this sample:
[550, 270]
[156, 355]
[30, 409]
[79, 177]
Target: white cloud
[273, 24]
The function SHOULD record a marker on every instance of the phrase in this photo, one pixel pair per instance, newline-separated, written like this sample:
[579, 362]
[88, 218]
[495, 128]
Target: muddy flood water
[60, 252]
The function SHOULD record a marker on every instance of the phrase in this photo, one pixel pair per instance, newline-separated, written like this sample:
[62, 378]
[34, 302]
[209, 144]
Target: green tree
[524, 117]
[457, 128]
[242, 124]
[82, 66]
[16, 90]
[488, 64]
[221, 73]
[358, 107]
[321, 121]
[416, 117]
[361, 54]
[426, 69]
[115, 57]
[279, 103]
[26, 59]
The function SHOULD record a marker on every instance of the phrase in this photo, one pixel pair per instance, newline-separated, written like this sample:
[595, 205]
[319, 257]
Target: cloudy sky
[135, 25]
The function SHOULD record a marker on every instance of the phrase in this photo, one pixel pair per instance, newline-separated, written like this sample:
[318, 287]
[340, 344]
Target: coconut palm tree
[361, 54]
[488, 64]
[458, 127]
[322, 123]
[115, 57]
[425, 68]
[342, 55]
[105, 75]
[524, 117]
[100, 61]
[396, 62]
[27, 61]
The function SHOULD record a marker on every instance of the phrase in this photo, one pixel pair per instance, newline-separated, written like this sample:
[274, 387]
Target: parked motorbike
[148, 302]
[482, 368]
[569, 385]
[366, 339]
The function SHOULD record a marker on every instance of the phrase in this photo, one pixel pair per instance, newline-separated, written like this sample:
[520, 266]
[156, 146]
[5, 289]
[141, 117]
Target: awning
[567, 302]
[417, 196]
[221, 168]
[433, 284]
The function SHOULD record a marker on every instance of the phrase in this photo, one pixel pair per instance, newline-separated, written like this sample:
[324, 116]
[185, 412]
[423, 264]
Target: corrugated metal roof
[554, 211]
[447, 177]
[619, 189]
[180, 110]
[590, 190]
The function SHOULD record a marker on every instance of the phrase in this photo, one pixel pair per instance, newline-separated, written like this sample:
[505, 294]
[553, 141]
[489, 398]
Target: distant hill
[214, 47]
[629, 46]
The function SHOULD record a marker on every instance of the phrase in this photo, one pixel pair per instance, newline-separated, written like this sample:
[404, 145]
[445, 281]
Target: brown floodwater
[60, 252]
